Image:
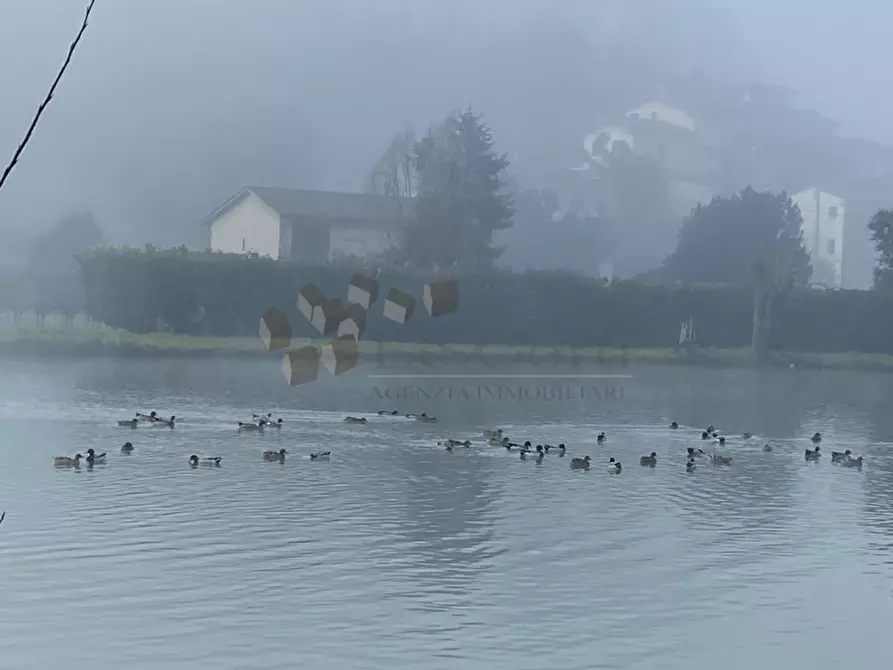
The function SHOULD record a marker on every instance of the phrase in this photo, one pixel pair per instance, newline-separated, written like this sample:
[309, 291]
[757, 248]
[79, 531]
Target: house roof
[322, 204]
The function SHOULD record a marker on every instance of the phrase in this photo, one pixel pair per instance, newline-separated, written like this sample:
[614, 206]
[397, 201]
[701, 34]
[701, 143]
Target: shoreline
[110, 343]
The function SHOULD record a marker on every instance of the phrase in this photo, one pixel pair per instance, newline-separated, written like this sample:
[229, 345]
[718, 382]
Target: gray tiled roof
[325, 204]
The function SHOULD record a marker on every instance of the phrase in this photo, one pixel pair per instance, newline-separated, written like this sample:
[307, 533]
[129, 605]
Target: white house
[657, 111]
[306, 226]
[823, 217]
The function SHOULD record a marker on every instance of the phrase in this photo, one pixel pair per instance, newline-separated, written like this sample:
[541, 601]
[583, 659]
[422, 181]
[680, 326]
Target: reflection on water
[398, 554]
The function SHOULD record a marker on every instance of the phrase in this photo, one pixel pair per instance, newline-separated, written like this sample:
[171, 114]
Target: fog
[172, 105]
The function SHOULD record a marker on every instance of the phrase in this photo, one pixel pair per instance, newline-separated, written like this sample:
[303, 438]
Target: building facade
[312, 227]
[823, 233]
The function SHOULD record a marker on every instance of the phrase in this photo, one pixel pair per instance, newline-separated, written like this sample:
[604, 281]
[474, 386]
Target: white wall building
[307, 226]
[823, 219]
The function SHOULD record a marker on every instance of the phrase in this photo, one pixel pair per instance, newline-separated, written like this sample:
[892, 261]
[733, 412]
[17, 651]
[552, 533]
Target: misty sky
[171, 105]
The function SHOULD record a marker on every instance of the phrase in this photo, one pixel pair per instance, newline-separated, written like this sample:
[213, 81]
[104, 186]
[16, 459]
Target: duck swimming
[250, 426]
[210, 461]
[580, 463]
[674, 425]
[693, 453]
[716, 459]
[130, 423]
[812, 454]
[165, 422]
[721, 440]
[601, 438]
[320, 456]
[649, 460]
[837, 456]
[561, 449]
[67, 461]
[355, 419]
[705, 435]
[454, 443]
[93, 458]
[275, 455]
[690, 465]
[127, 448]
[816, 438]
[614, 467]
[852, 462]
[767, 447]
[538, 454]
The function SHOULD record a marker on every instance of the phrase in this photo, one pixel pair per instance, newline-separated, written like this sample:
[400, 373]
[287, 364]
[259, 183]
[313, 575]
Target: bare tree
[49, 96]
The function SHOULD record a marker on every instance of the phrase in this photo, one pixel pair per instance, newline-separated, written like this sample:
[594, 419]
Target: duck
[580, 463]
[275, 424]
[275, 455]
[165, 422]
[837, 456]
[493, 434]
[263, 419]
[720, 440]
[649, 460]
[717, 459]
[816, 438]
[93, 458]
[127, 448]
[767, 447]
[424, 418]
[812, 454]
[130, 423]
[538, 453]
[852, 462]
[147, 418]
[67, 461]
[614, 467]
[454, 443]
[355, 419]
[211, 461]
[711, 428]
[320, 456]
[705, 435]
[384, 412]
[674, 425]
[251, 426]
[601, 438]
[690, 465]
[695, 453]
[561, 450]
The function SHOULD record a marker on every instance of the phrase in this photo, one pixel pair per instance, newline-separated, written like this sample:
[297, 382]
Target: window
[832, 212]
[243, 244]
[831, 246]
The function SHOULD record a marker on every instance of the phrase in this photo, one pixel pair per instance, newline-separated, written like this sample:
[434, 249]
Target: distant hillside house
[307, 226]
[823, 219]
[656, 111]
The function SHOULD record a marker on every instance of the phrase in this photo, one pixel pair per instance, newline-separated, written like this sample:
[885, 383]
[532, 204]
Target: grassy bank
[96, 340]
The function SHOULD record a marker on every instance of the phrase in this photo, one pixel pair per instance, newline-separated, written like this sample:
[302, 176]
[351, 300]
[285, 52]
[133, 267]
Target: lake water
[397, 554]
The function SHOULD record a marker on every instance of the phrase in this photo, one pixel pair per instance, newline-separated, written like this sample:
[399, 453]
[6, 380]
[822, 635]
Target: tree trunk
[762, 323]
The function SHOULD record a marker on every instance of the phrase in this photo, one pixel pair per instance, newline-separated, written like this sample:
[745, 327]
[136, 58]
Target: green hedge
[222, 294]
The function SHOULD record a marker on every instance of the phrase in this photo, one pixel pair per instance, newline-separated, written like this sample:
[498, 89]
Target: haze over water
[397, 554]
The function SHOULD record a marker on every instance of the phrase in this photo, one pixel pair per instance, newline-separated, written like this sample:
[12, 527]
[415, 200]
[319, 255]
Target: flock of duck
[258, 423]
[528, 452]
[497, 438]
